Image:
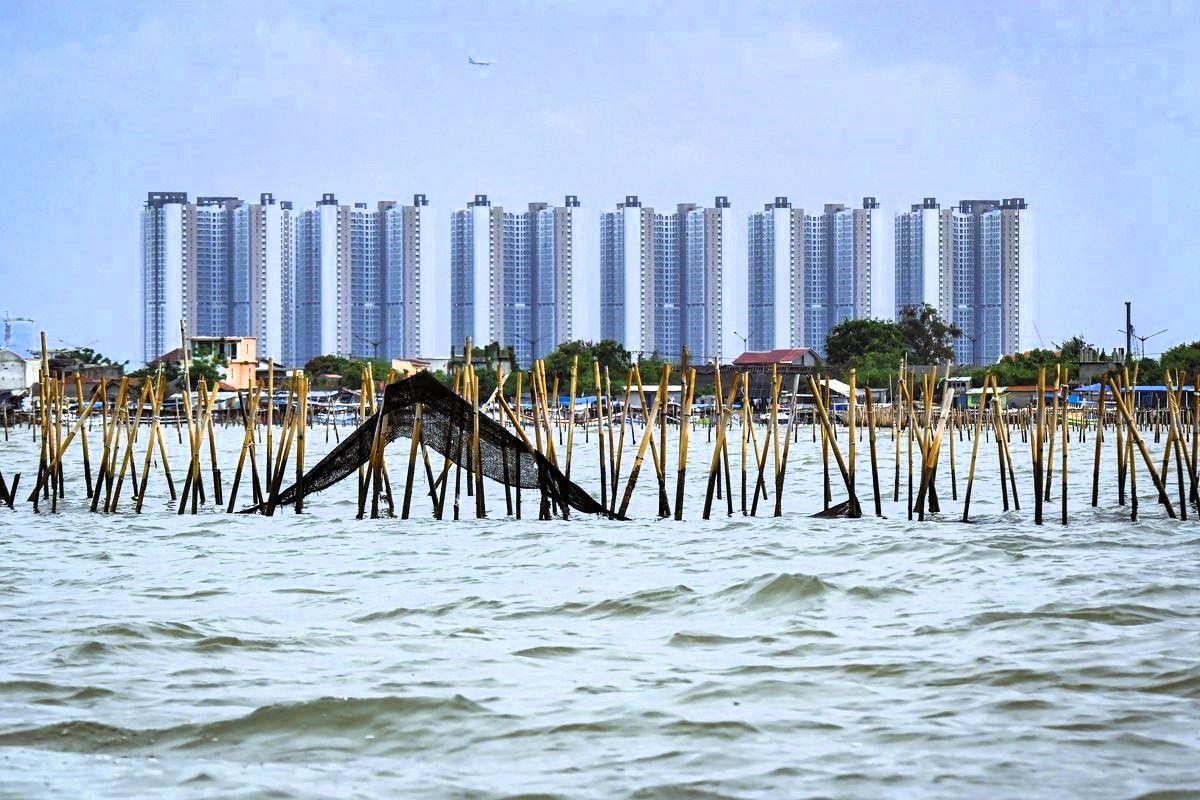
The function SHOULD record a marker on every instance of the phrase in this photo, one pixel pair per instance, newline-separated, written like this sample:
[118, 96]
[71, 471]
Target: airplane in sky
[479, 63]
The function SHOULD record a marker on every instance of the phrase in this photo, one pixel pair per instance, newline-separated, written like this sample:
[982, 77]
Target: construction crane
[8, 323]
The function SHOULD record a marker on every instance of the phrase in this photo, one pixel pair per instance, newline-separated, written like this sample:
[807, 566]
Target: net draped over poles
[446, 425]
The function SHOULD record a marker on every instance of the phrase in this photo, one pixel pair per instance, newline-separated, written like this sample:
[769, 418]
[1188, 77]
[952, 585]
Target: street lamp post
[745, 341]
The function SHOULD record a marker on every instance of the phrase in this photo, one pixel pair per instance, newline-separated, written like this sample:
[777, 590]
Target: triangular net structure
[446, 427]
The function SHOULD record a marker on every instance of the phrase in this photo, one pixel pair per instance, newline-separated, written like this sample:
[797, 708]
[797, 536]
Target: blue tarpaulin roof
[1095, 388]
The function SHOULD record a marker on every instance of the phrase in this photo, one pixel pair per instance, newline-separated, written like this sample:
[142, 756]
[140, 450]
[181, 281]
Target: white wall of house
[13, 374]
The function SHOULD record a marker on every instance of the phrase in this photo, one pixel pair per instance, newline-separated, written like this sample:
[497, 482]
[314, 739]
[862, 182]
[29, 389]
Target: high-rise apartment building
[807, 272]
[510, 276]
[355, 289]
[973, 263]
[211, 263]
[165, 248]
[662, 282]
[329, 280]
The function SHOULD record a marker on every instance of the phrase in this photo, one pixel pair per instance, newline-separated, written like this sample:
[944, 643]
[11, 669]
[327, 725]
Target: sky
[1087, 110]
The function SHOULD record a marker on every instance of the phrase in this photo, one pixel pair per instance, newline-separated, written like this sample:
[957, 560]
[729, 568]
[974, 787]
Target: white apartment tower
[511, 276]
[662, 278]
[973, 262]
[807, 272]
[355, 290]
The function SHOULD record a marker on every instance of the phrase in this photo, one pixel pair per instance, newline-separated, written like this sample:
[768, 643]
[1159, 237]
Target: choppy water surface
[320, 656]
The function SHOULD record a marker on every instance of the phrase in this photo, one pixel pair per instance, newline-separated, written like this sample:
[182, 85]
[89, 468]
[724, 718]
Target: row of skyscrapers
[351, 280]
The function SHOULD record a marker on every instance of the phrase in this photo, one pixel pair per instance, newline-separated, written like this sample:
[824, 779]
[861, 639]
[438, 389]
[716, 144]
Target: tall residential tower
[807, 272]
[972, 262]
[662, 282]
[510, 276]
[329, 280]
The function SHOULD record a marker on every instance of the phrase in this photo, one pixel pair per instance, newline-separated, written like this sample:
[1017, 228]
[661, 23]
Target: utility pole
[1128, 331]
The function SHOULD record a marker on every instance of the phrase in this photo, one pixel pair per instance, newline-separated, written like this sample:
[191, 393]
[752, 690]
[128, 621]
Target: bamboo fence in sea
[134, 444]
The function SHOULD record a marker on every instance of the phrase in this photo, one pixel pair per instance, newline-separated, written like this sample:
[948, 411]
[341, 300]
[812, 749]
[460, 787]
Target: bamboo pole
[852, 428]
[155, 410]
[1141, 445]
[410, 473]
[83, 439]
[685, 414]
[571, 414]
[854, 510]
[747, 428]
[620, 450]
[930, 457]
[874, 455]
[600, 433]
[477, 453]
[1066, 432]
[647, 435]
[302, 426]
[980, 410]
[247, 443]
[760, 484]
[1099, 442]
[787, 441]
[715, 461]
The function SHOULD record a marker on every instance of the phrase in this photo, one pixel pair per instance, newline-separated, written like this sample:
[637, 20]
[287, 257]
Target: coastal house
[17, 371]
[759, 365]
[973, 397]
[237, 355]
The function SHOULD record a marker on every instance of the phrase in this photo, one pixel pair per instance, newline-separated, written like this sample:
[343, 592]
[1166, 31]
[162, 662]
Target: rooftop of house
[787, 355]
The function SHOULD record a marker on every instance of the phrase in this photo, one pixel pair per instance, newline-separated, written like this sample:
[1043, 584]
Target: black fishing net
[446, 428]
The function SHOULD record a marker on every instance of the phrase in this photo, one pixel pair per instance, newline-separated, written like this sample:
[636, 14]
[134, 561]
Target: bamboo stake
[747, 429]
[155, 409]
[477, 455]
[301, 427]
[787, 440]
[854, 510]
[685, 414]
[874, 457]
[1137, 439]
[980, 410]
[412, 460]
[647, 435]
[715, 461]
[620, 450]
[600, 434]
[1099, 441]
[760, 484]
[571, 414]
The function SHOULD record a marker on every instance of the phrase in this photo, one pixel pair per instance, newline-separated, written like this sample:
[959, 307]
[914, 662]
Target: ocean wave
[314, 724]
[775, 589]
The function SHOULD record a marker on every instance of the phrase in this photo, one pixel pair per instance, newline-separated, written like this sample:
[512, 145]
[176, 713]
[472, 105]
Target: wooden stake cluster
[923, 412]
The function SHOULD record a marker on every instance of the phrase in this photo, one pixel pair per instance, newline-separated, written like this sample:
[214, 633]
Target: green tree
[86, 355]
[1149, 371]
[1185, 357]
[929, 338]
[607, 353]
[854, 338]
[1071, 351]
[210, 369]
[349, 372]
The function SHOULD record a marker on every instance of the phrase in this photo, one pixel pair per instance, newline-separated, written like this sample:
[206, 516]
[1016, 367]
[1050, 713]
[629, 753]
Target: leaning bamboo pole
[787, 441]
[853, 509]
[871, 426]
[1123, 410]
[571, 415]
[155, 410]
[980, 410]
[722, 423]
[1098, 444]
[647, 436]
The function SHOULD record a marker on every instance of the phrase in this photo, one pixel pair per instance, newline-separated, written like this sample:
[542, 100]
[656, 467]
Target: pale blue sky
[1087, 110]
